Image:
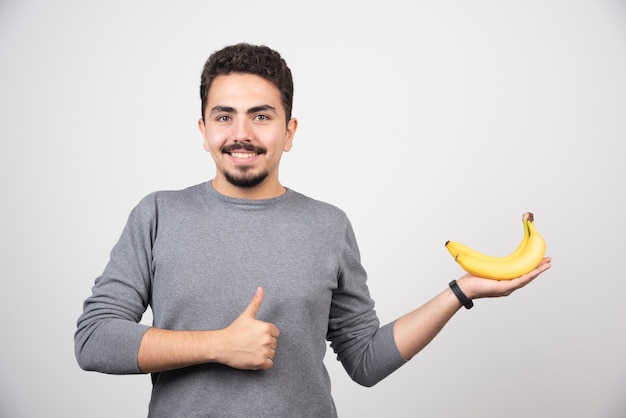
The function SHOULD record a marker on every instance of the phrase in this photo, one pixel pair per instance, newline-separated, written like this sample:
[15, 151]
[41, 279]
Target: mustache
[242, 146]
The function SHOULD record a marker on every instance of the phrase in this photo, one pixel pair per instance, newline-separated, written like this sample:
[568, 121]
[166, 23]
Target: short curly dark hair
[249, 59]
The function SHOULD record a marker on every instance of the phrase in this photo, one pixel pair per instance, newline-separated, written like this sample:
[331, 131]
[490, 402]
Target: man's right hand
[249, 343]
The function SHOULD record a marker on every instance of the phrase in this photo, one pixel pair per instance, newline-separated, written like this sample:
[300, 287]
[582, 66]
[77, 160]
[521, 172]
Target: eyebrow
[255, 109]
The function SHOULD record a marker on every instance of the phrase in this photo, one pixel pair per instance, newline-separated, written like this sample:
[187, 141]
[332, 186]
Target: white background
[425, 121]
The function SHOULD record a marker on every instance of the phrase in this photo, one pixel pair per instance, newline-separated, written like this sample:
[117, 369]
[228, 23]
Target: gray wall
[425, 121]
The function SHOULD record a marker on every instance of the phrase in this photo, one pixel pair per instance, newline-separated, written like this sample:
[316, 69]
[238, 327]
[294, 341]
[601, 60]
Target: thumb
[255, 304]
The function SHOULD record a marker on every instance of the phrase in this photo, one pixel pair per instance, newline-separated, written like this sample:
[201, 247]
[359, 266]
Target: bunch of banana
[525, 258]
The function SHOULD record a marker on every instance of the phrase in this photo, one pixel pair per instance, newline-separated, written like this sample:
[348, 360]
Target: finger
[274, 331]
[255, 304]
[546, 263]
[532, 275]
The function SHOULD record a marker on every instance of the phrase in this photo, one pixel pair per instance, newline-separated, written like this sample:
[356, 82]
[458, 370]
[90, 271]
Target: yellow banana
[455, 248]
[526, 256]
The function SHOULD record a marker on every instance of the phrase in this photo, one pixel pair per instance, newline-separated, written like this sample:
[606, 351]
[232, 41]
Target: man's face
[246, 133]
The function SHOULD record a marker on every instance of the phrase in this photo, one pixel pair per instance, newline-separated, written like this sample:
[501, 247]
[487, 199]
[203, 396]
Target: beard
[244, 179]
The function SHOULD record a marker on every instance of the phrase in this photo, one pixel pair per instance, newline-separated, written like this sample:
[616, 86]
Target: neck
[262, 191]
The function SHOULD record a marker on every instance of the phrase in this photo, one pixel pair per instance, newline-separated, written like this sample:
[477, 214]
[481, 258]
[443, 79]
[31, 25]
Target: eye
[222, 118]
[262, 118]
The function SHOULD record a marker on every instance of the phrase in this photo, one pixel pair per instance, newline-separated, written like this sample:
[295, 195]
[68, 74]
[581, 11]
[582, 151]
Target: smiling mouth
[242, 151]
[243, 155]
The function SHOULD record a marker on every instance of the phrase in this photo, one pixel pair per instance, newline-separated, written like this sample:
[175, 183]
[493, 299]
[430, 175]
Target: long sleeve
[367, 351]
[108, 332]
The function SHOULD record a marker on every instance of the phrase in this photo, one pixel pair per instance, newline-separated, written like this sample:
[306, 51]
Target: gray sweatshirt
[196, 257]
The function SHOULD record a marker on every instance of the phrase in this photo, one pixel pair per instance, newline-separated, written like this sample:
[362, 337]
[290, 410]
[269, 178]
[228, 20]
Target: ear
[202, 130]
[292, 125]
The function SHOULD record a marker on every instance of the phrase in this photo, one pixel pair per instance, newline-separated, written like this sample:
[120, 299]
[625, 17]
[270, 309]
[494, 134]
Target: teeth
[243, 155]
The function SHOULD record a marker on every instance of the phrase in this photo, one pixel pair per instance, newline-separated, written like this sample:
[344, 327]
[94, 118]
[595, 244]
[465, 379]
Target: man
[197, 256]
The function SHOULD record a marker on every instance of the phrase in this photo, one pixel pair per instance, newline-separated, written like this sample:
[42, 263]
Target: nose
[241, 130]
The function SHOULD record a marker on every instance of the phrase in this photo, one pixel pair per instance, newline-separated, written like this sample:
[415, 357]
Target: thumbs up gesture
[249, 343]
